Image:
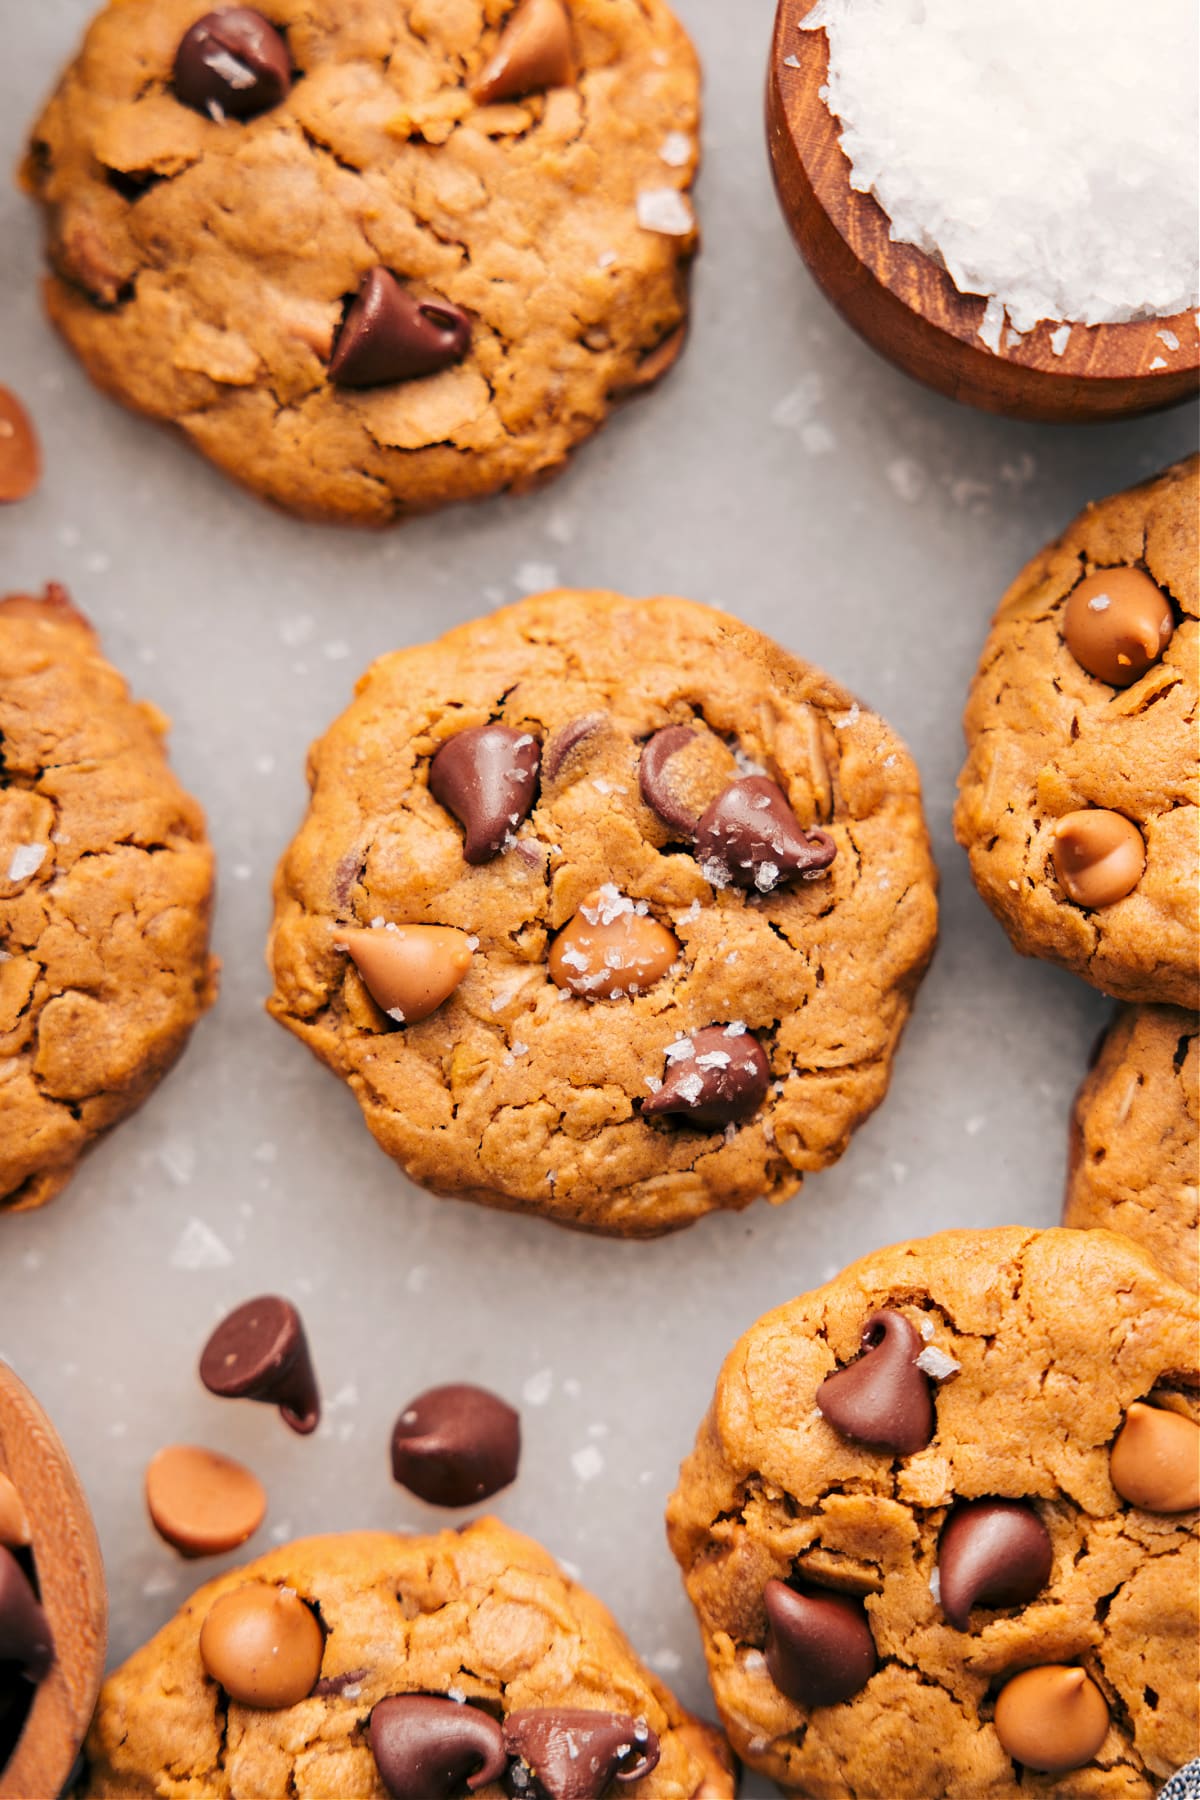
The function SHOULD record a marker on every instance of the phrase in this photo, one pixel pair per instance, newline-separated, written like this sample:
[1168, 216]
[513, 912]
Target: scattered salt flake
[571, 1388]
[843, 721]
[975, 1125]
[791, 62]
[1060, 337]
[533, 577]
[817, 439]
[889, 762]
[158, 1584]
[178, 1158]
[417, 1278]
[926, 1328]
[796, 408]
[935, 1586]
[936, 1363]
[457, 1694]
[667, 1662]
[199, 1248]
[606, 259]
[1169, 339]
[296, 631]
[1099, 603]
[97, 562]
[992, 324]
[266, 1152]
[560, 528]
[242, 871]
[676, 149]
[27, 859]
[666, 211]
[265, 764]
[754, 1662]
[908, 478]
[335, 649]
[1159, 362]
[347, 1395]
[587, 1463]
[538, 1388]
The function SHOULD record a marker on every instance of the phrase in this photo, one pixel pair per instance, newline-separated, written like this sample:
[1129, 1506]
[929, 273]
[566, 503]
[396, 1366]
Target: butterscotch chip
[203, 1503]
[20, 453]
[263, 1645]
[1098, 856]
[14, 1523]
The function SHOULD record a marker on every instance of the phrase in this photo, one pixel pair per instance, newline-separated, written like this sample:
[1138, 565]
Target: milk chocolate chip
[202, 1503]
[410, 970]
[1117, 623]
[567, 739]
[654, 778]
[1051, 1718]
[25, 1635]
[992, 1553]
[751, 837]
[882, 1399]
[611, 948]
[232, 64]
[456, 1445]
[819, 1647]
[263, 1646]
[260, 1352]
[487, 777]
[1099, 856]
[389, 335]
[20, 455]
[1155, 1460]
[568, 1753]
[717, 1076]
[14, 1524]
[426, 1748]
[534, 52]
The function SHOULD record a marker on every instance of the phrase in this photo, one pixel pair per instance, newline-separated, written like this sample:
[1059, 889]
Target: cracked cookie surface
[106, 885]
[1134, 1133]
[1046, 739]
[200, 270]
[1052, 1336]
[483, 1615]
[516, 1091]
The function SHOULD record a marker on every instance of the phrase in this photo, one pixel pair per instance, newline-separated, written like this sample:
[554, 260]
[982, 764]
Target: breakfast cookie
[608, 910]
[1078, 801]
[106, 887]
[1133, 1161]
[373, 255]
[372, 1664]
[939, 1526]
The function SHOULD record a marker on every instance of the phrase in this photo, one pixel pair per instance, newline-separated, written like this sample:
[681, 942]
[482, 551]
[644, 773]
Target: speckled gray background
[782, 472]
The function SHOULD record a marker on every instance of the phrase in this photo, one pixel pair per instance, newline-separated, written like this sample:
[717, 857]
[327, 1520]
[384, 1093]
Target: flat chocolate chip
[487, 777]
[751, 837]
[260, 1352]
[654, 779]
[389, 335]
[426, 1748]
[567, 1753]
[455, 1445]
[717, 1076]
[232, 64]
[25, 1635]
[567, 738]
[819, 1645]
[992, 1553]
[882, 1399]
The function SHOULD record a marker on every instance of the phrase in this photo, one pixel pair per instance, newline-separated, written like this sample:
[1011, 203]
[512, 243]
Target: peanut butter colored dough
[482, 1611]
[1045, 739]
[106, 888]
[516, 1094]
[199, 270]
[1056, 1333]
[1134, 1134]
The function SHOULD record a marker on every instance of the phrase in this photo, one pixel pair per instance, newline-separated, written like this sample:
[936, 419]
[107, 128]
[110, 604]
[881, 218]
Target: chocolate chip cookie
[372, 256]
[1133, 1161]
[1078, 801]
[368, 1665]
[939, 1526]
[608, 910]
[106, 888]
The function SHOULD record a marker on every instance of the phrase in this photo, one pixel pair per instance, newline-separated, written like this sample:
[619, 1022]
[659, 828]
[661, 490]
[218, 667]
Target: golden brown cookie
[552, 993]
[1133, 1162]
[481, 1622]
[1078, 800]
[372, 256]
[106, 888]
[907, 1496]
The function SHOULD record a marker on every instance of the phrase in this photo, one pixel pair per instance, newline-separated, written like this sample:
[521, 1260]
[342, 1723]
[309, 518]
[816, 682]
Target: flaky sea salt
[1063, 185]
[666, 211]
[937, 1364]
[27, 859]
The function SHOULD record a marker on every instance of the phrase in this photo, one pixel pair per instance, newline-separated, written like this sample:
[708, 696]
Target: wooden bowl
[905, 304]
[70, 1576]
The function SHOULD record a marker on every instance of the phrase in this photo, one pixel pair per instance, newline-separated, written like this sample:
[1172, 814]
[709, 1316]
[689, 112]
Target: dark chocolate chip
[819, 1645]
[882, 1399]
[992, 1553]
[654, 780]
[260, 1352]
[330, 1686]
[389, 335]
[25, 1635]
[567, 1753]
[455, 1445]
[717, 1076]
[232, 64]
[426, 1748]
[566, 739]
[487, 777]
[751, 837]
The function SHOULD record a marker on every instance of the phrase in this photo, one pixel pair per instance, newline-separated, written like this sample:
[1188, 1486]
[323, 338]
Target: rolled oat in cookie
[673, 896]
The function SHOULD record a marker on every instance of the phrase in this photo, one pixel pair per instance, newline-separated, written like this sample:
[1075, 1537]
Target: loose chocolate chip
[232, 64]
[751, 837]
[426, 1748]
[20, 454]
[262, 1644]
[389, 335]
[819, 1645]
[25, 1635]
[455, 1445]
[1051, 1718]
[717, 1076]
[991, 1553]
[1117, 623]
[654, 781]
[567, 1753]
[534, 52]
[882, 1399]
[487, 777]
[260, 1352]
[202, 1503]
[566, 739]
